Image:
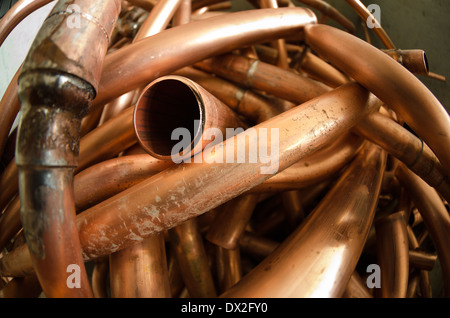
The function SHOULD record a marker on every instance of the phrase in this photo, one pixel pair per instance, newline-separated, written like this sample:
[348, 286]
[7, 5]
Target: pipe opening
[165, 106]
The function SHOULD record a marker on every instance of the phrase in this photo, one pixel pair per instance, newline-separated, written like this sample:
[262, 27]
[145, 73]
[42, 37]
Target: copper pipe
[349, 105]
[140, 271]
[334, 251]
[10, 223]
[414, 60]
[231, 222]
[100, 277]
[144, 4]
[159, 112]
[193, 260]
[229, 267]
[17, 263]
[407, 148]
[434, 214]
[108, 140]
[107, 178]
[137, 65]
[392, 252]
[356, 288]
[321, 71]
[294, 207]
[22, 287]
[264, 77]
[366, 15]
[175, 277]
[19, 11]
[422, 260]
[9, 108]
[315, 168]
[197, 4]
[256, 245]
[389, 81]
[9, 183]
[183, 14]
[337, 110]
[330, 11]
[279, 44]
[48, 136]
[245, 102]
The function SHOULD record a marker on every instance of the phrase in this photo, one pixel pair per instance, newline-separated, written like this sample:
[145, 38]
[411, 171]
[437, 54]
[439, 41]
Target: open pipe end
[168, 111]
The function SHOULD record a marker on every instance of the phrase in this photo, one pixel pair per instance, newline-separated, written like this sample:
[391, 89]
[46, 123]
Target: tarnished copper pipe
[193, 260]
[137, 63]
[434, 214]
[140, 270]
[389, 81]
[231, 222]
[20, 10]
[414, 60]
[256, 245]
[22, 287]
[264, 77]
[406, 147]
[366, 15]
[56, 86]
[334, 251]
[159, 113]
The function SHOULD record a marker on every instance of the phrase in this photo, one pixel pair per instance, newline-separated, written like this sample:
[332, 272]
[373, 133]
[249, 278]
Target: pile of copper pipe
[360, 176]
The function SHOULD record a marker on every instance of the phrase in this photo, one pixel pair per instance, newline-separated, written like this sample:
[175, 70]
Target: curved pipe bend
[389, 81]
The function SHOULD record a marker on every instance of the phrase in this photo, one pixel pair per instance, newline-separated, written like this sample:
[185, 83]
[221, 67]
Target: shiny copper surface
[358, 172]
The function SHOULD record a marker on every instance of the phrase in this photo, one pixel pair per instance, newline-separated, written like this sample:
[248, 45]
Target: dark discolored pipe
[414, 60]
[56, 86]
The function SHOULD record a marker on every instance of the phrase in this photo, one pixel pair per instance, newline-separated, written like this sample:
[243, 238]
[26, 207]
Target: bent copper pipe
[192, 259]
[48, 136]
[229, 267]
[160, 208]
[9, 183]
[174, 103]
[330, 11]
[9, 108]
[422, 260]
[231, 222]
[137, 65]
[264, 77]
[407, 148]
[334, 251]
[20, 10]
[392, 255]
[140, 271]
[434, 214]
[389, 81]
[366, 15]
[21, 287]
